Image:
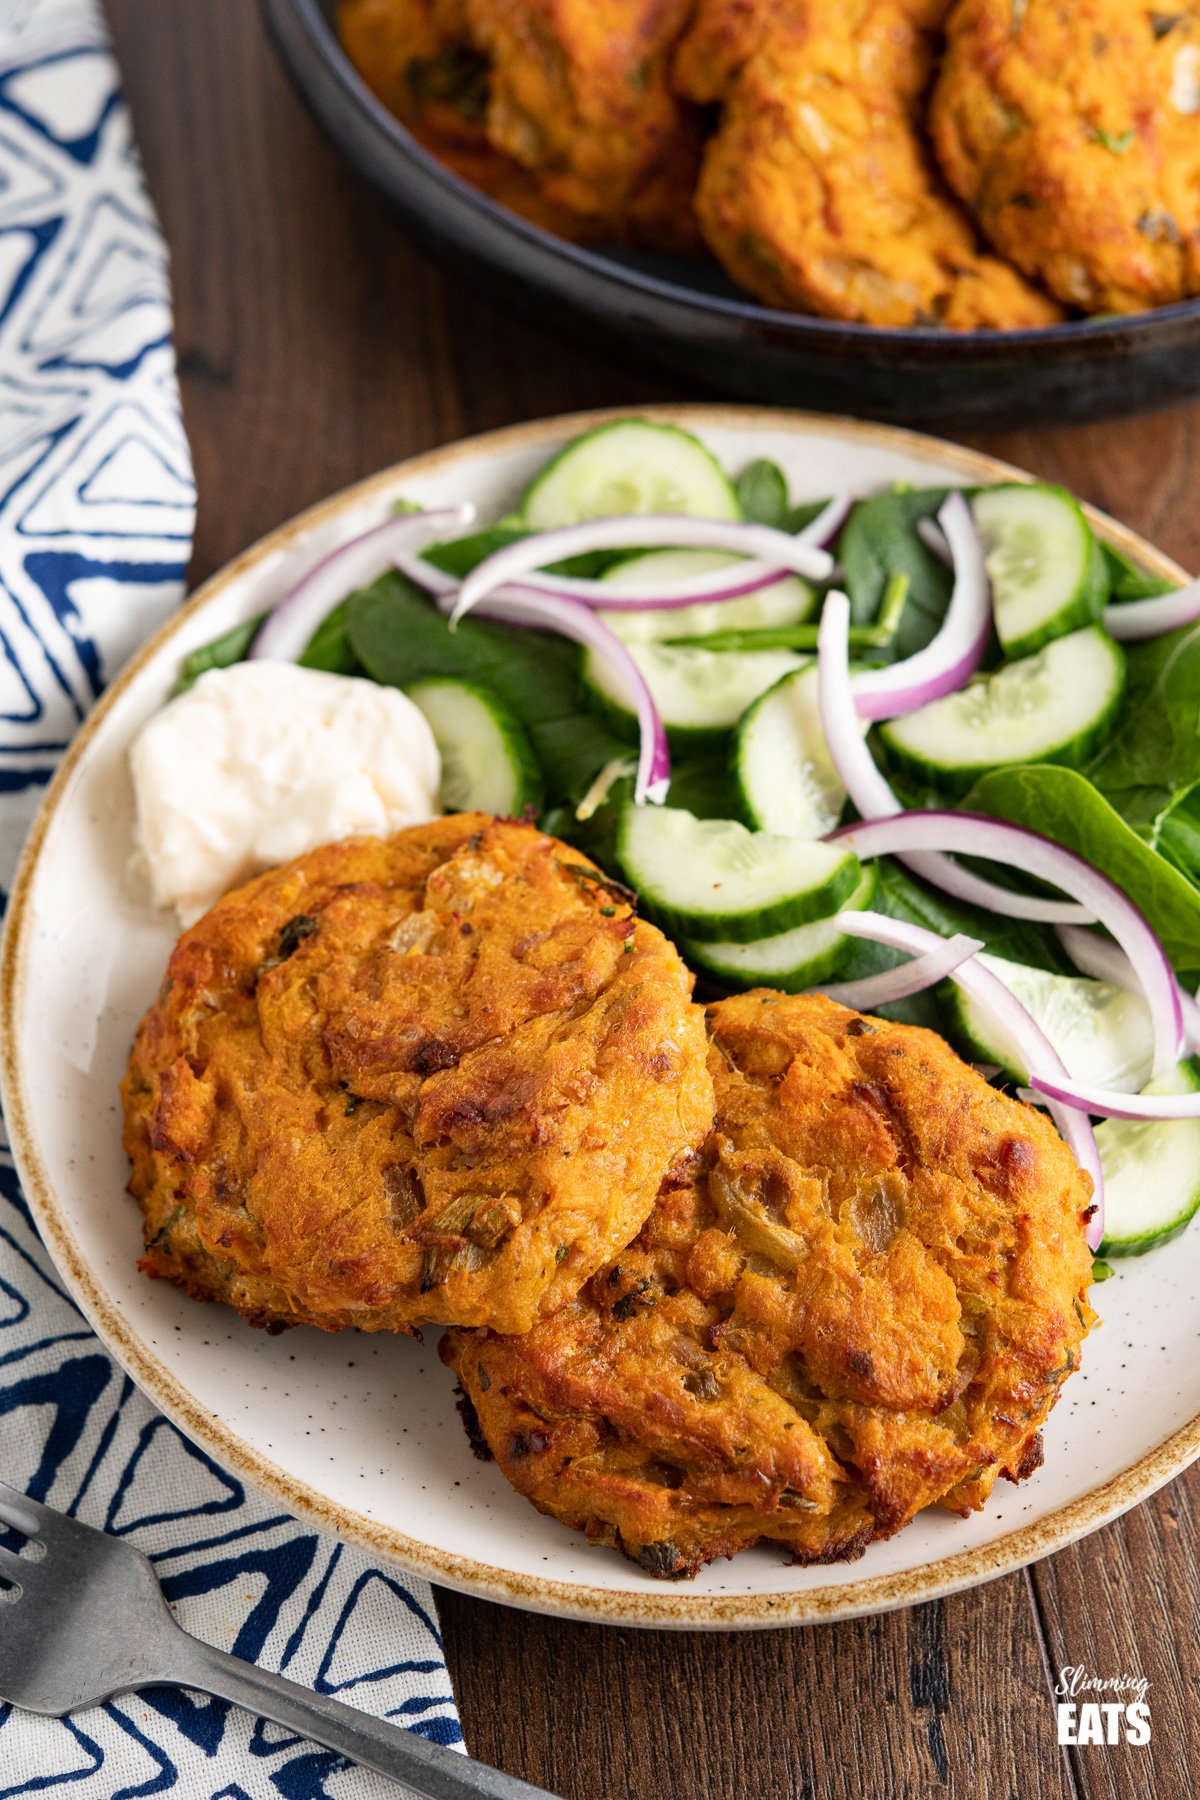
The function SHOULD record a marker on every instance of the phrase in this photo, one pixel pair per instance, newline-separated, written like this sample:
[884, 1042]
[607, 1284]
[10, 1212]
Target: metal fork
[86, 1619]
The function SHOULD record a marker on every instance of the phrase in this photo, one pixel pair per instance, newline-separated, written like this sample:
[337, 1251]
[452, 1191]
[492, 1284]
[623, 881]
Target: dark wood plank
[1126, 1602]
[317, 344]
[1145, 472]
[917, 1703]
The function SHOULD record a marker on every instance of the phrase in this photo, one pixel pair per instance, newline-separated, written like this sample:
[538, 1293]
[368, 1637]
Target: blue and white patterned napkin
[96, 515]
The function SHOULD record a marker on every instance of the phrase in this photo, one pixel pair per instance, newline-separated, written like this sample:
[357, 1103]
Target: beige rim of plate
[670, 1608]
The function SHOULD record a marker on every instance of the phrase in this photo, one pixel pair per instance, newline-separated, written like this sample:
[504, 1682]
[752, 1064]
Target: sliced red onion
[425, 574]
[1026, 1039]
[909, 978]
[435, 581]
[518, 605]
[633, 531]
[934, 539]
[1105, 961]
[1131, 620]
[973, 834]
[566, 617]
[950, 659]
[1062, 1091]
[873, 797]
[824, 526]
[662, 596]
[1096, 956]
[1190, 1006]
[289, 629]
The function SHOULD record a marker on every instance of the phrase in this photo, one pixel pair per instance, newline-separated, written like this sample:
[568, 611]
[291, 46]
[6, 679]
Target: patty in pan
[1073, 134]
[434, 1078]
[817, 189]
[860, 1299]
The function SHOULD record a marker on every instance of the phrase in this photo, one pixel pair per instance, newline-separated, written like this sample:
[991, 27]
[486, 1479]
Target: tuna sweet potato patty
[434, 1078]
[862, 1297]
[1072, 131]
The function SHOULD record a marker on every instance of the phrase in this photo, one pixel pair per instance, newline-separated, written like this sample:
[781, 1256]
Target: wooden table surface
[316, 344]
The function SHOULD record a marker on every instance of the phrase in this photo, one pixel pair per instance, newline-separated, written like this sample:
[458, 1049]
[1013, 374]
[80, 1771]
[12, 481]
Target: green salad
[782, 722]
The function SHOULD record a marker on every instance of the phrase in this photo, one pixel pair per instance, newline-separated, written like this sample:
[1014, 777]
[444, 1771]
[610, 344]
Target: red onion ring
[974, 834]
[512, 606]
[950, 659]
[1065, 1092]
[726, 584]
[1025, 1036]
[934, 540]
[288, 630]
[924, 971]
[873, 797]
[713, 586]
[525, 559]
[515, 604]
[1132, 620]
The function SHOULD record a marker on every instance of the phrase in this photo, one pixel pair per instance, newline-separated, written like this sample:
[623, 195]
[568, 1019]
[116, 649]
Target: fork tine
[24, 1514]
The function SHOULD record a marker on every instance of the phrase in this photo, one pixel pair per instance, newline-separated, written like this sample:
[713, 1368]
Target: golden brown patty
[580, 96]
[1072, 130]
[818, 190]
[438, 1077]
[561, 109]
[862, 1298]
[418, 58]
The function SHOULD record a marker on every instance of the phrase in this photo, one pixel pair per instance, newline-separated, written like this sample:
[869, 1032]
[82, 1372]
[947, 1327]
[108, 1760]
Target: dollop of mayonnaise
[258, 763]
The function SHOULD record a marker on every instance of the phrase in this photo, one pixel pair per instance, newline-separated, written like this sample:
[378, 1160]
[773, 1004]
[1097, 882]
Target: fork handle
[429, 1769]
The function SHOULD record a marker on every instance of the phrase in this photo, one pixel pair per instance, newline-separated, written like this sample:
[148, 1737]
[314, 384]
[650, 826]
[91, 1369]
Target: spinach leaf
[1178, 833]
[1064, 805]
[879, 541]
[399, 637]
[231, 647]
[459, 556]
[329, 647]
[705, 787]
[1156, 745]
[803, 513]
[1127, 582]
[762, 493]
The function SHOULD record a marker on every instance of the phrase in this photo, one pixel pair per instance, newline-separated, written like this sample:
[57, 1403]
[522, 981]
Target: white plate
[359, 1433]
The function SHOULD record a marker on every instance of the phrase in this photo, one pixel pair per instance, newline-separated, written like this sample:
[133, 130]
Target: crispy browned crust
[1060, 128]
[560, 109]
[433, 1078]
[861, 1299]
[581, 97]
[818, 190]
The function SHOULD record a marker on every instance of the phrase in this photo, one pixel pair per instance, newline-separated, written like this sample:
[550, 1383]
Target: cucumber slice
[1055, 707]
[487, 762]
[700, 694]
[1047, 570]
[791, 960]
[1101, 1032]
[1151, 1172]
[781, 762]
[713, 880]
[787, 602]
[630, 466]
